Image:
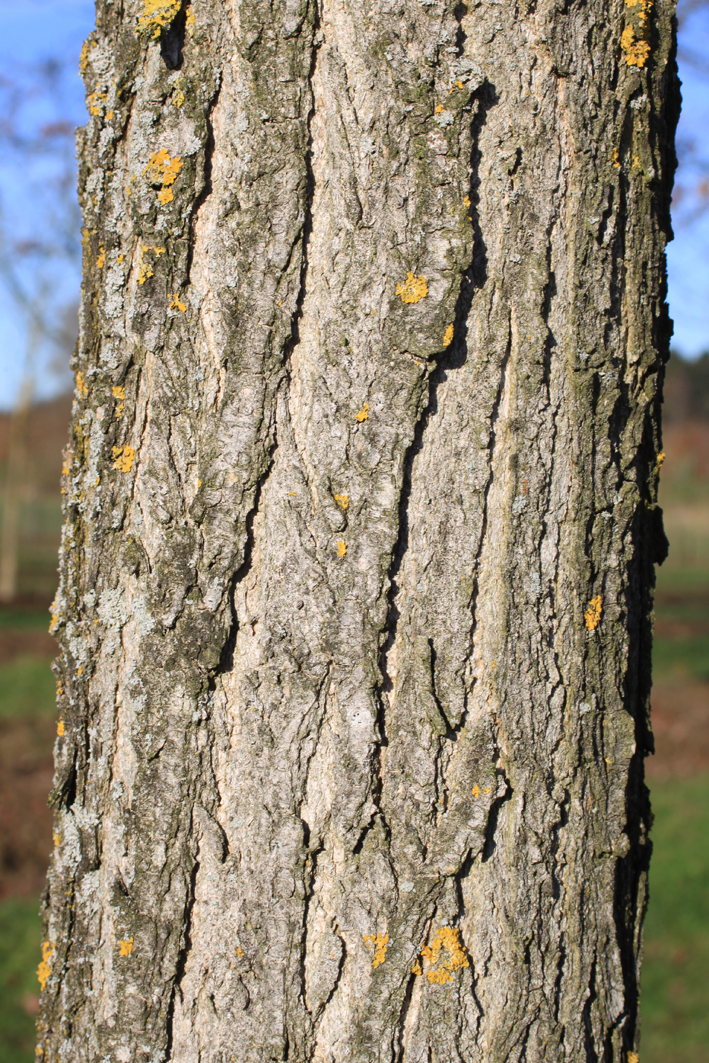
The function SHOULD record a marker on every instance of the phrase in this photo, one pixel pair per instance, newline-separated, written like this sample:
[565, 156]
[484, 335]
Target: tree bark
[356, 583]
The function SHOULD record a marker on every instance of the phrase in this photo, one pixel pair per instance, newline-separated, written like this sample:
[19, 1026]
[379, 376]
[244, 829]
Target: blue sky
[33, 30]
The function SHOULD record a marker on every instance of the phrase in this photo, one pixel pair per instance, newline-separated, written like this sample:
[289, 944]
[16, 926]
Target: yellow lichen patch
[487, 789]
[84, 55]
[413, 290]
[633, 1057]
[377, 945]
[101, 260]
[363, 414]
[239, 952]
[636, 51]
[178, 97]
[81, 387]
[190, 18]
[592, 616]
[120, 394]
[476, 791]
[645, 7]
[45, 967]
[60, 727]
[157, 14]
[416, 969]
[444, 955]
[448, 335]
[660, 460]
[341, 548]
[466, 202]
[95, 103]
[126, 947]
[440, 109]
[616, 160]
[163, 170]
[176, 303]
[144, 270]
[123, 458]
[343, 501]
[57, 839]
[65, 468]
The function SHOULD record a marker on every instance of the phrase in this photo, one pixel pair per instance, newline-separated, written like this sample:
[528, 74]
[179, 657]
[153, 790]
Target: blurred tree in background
[40, 251]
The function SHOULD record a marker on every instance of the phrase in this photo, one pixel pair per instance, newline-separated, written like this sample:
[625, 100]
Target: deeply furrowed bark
[356, 580]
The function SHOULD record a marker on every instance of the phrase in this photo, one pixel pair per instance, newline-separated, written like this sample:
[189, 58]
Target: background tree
[39, 251]
[356, 596]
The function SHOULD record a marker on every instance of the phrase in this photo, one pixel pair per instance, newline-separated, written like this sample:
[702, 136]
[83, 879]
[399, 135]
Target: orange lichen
[144, 270]
[616, 160]
[123, 458]
[95, 103]
[645, 9]
[158, 14]
[446, 942]
[101, 260]
[636, 51]
[163, 170]
[413, 289]
[660, 459]
[60, 727]
[343, 501]
[81, 387]
[84, 55]
[341, 548]
[592, 616]
[633, 1057]
[120, 394]
[377, 945]
[440, 108]
[176, 303]
[57, 839]
[448, 335]
[45, 967]
[126, 947]
[476, 791]
[363, 414]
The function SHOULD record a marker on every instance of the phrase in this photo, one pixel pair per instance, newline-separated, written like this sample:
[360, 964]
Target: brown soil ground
[680, 721]
[25, 821]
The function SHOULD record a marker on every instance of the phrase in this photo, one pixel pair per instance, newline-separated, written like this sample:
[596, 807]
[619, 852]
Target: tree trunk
[356, 599]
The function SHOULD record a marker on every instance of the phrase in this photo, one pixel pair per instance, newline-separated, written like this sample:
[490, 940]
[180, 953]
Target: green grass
[19, 956]
[27, 688]
[686, 658]
[675, 979]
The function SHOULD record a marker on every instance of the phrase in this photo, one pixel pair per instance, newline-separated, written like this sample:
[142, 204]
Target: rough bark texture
[356, 598]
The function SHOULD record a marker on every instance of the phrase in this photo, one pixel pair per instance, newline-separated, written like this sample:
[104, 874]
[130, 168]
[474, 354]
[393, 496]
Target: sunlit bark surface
[356, 581]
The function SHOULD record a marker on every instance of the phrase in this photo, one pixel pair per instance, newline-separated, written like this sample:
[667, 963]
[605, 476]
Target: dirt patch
[26, 771]
[26, 644]
[680, 721]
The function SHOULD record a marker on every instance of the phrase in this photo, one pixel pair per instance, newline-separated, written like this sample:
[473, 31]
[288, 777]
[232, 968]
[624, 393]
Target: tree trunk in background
[356, 599]
[14, 487]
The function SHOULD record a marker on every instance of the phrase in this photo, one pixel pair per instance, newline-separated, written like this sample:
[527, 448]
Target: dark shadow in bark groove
[454, 357]
[172, 40]
[206, 191]
[181, 959]
[226, 662]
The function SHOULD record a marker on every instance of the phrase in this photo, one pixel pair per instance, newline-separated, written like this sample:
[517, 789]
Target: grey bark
[355, 607]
